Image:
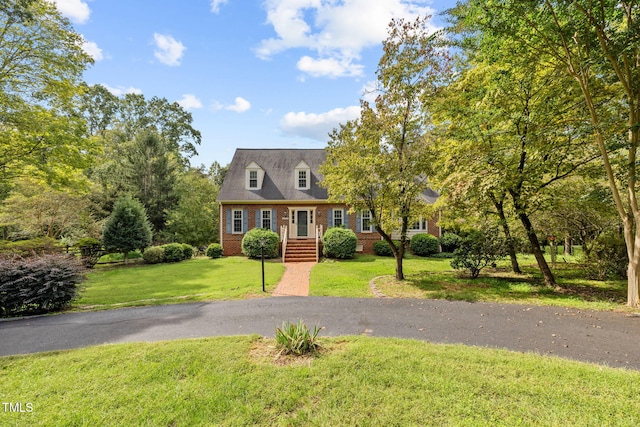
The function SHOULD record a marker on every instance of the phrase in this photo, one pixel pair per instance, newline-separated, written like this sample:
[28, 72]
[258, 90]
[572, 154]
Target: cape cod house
[279, 189]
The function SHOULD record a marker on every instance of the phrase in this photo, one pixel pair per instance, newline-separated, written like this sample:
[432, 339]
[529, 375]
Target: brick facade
[231, 242]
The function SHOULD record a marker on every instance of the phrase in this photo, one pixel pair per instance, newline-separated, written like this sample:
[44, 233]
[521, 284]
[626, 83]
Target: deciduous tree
[381, 161]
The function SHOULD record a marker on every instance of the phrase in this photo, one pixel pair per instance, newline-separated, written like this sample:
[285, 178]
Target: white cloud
[329, 67]
[240, 105]
[189, 102]
[317, 126]
[337, 31]
[169, 50]
[121, 90]
[92, 49]
[215, 5]
[76, 10]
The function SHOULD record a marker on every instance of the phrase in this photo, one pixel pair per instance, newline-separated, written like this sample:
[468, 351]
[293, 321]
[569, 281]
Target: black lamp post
[262, 259]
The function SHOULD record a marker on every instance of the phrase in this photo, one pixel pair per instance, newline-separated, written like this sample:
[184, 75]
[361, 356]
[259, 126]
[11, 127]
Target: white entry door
[301, 223]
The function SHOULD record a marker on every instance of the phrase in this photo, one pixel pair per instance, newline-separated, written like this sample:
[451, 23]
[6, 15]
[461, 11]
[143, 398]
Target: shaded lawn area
[434, 279]
[197, 279]
[353, 381]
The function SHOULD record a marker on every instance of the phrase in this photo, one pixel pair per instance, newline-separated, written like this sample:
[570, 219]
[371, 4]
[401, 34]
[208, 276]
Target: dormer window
[302, 176]
[254, 175]
[302, 179]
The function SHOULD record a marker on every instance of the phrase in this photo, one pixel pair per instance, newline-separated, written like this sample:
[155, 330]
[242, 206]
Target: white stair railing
[284, 232]
[318, 237]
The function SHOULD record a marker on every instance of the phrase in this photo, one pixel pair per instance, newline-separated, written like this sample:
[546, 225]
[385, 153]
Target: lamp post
[262, 259]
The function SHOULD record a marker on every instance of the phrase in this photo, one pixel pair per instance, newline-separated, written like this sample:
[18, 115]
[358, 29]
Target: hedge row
[171, 252]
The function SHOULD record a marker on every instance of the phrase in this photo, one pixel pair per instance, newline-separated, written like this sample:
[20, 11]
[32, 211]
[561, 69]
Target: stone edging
[375, 289]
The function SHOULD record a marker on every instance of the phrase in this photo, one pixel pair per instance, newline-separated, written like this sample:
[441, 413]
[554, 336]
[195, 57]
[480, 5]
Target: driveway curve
[605, 338]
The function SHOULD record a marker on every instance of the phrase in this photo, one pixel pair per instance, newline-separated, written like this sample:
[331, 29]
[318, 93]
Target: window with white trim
[302, 179]
[237, 221]
[367, 225]
[302, 176]
[253, 179]
[266, 218]
[338, 219]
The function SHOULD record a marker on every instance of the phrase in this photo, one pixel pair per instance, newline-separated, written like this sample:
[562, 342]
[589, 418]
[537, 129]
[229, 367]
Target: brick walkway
[295, 281]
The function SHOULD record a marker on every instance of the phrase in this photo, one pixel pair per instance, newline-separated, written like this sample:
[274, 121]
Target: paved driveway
[598, 337]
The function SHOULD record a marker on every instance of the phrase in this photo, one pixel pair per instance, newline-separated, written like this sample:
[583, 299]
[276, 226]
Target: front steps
[300, 250]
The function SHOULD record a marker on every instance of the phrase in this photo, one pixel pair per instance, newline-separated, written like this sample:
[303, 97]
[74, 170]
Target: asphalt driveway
[605, 338]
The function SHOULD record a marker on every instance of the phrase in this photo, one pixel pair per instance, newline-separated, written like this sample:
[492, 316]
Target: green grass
[434, 279]
[350, 278]
[354, 381]
[198, 279]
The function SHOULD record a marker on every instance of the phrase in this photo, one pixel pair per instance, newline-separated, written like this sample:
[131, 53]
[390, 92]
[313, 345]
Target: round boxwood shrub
[251, 243]
[153, 255]
[424, 244]
[339, 243]
[214, 250]
[173, 252]
[187, 251]
[449, 242]
[382, 248]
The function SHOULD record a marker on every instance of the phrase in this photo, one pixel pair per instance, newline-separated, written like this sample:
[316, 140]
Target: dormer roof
[279, 166]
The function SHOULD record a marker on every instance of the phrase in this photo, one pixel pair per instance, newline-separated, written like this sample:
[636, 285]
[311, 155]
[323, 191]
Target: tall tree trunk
[568, 249]
[499, 205]
[549, 280]
[633, 269]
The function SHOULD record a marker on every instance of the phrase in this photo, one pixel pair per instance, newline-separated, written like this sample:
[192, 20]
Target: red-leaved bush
[38, 285]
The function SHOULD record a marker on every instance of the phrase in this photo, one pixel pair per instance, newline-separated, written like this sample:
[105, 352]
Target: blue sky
[254, 74]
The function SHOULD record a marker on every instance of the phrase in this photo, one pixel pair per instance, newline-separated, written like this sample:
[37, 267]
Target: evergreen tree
[127, 228]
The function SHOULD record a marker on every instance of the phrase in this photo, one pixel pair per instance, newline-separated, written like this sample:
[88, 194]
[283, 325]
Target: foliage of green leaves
[424, 244]
[127, 228]
[214, 250]
[339, 242]
[297, 338]
[477, 250]
[382, 248]
[153, 255]
[253, 247]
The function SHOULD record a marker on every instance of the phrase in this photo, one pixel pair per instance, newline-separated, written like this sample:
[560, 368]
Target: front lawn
[199, 279]
[433, 278]
[354, 381]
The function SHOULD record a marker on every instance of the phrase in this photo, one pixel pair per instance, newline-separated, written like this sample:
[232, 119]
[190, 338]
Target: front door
[302, 220]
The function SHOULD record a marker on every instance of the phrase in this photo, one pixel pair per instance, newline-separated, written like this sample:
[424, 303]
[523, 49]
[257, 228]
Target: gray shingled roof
[279, 166]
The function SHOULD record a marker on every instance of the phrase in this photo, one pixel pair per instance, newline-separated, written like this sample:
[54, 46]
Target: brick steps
[301, 250]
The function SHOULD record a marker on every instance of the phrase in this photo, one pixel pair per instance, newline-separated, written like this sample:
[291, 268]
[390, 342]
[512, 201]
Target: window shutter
[358, 222]
[245, 220]
[258, 218]
[228, 212]
[330, 215]
[345, 218]
[274, 220]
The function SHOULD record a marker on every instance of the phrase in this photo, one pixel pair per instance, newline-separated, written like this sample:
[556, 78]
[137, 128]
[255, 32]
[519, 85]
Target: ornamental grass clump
[297, 339]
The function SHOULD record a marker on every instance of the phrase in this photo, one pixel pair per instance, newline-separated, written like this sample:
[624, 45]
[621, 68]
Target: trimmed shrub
[442, 255]
[424, 244]
[153, 255]
[214, 250]
[90, 251]
[26, 248]
[339, 243]
[251, 243]
[173, 252]
[449, 242]
[38, 285]
[187, 251]
[478, 250]
[382, 248]
[608, 258]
